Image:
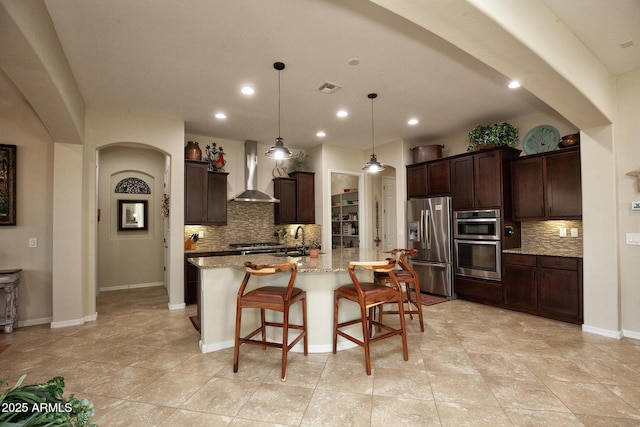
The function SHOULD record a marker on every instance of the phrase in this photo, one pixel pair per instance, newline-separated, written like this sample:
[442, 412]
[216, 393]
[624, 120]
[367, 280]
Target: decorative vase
[314, 252]
[192, 151]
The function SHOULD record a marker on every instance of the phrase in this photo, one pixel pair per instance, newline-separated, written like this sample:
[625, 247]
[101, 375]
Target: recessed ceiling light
[221, 116]
[412, 122]
[354, 61]
[321, 134]
[514, 84]
[247, 90]
[342, 113]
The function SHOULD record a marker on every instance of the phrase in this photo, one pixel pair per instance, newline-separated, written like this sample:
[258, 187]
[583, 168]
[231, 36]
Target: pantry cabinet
[480, 180]
[547, 286]
[547, 186]
[205, 195]
[429, 179]
[297, 199]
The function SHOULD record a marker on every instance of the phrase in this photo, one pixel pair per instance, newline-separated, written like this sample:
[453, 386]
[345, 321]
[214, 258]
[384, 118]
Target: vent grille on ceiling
[328, 87]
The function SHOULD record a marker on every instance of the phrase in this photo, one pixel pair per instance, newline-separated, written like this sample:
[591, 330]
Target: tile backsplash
[546, 234]
[247, 222]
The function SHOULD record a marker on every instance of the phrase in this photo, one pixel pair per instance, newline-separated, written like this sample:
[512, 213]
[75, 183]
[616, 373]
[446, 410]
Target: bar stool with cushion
[407, 275]
[275, 298]
[368, 296]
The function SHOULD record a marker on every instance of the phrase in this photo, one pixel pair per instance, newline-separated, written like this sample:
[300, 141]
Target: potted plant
[43, 405]
[314, 249]
[485, 136]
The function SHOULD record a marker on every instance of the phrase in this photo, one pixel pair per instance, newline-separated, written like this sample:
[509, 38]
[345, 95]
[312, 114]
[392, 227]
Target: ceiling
[161, 58]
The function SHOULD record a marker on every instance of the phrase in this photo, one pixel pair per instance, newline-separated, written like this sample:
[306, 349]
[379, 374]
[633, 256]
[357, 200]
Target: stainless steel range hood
[250, 172]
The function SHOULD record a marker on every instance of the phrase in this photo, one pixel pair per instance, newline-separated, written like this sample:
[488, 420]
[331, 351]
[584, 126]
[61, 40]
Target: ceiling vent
[329, 88]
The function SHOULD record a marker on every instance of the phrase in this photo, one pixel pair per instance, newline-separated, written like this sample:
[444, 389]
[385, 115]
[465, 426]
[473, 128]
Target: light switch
[574, 232]
[201, 234]
[563, 232]
[633, 238]
[33, 242]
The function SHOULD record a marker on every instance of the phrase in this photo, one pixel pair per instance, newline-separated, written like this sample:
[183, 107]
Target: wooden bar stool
[407, 275]
[276, 298]
[368, 296]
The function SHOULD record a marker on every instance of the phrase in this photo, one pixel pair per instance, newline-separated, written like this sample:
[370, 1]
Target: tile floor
[139, 364]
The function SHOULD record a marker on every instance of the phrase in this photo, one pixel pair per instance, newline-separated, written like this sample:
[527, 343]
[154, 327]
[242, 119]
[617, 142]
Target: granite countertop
[333, 261]
[563, 252]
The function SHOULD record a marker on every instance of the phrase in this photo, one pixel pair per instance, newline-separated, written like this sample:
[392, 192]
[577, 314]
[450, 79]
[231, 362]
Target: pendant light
[373, 165]
[279, 151]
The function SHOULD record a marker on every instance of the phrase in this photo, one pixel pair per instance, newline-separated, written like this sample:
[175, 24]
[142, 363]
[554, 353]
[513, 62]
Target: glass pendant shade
[279, 151]
[373, 165]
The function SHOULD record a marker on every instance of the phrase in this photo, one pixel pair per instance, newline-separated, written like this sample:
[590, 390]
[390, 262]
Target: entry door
[389, 217]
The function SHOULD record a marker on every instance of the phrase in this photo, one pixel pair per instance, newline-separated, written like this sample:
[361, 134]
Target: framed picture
[132, 215]
[7, 184]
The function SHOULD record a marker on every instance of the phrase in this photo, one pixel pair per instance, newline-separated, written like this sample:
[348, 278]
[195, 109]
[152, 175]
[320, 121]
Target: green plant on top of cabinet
[205, 194]
[297, 199]
[547, 186]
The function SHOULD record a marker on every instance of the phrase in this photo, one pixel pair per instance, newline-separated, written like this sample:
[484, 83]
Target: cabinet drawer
[561, 263]
[515, 259]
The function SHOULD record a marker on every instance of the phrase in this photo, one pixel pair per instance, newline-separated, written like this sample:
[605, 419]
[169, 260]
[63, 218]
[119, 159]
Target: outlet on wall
[574, 232]
[563, 232]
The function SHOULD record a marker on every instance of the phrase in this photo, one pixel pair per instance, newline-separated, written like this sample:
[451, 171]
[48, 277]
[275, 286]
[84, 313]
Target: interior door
[389, 222]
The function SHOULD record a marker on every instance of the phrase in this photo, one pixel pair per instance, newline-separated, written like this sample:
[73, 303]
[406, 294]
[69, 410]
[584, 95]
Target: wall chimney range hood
[250, 172]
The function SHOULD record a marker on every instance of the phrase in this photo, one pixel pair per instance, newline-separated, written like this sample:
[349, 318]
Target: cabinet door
[217, 198]
[520, 281]
[195, 191]
[284, 189]
[559, 292]
[487, 180]
[563, 180]
[462, 183]
[438, 178]
[416, 181]
[305, 198]
[527, 188]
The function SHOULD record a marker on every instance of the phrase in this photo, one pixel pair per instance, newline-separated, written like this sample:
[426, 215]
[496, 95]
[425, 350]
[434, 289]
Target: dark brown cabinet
[205, 195]
[429, 179]
[297, 198]
[480, 180]
[547, 186]
[546, 286]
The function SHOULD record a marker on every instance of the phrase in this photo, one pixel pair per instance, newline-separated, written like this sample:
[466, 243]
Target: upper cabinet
[205, 195]
[429, 179]
[297, 201]
[480, 180]
[547, 186]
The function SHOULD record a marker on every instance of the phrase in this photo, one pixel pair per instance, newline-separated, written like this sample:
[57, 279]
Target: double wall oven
[477, 244]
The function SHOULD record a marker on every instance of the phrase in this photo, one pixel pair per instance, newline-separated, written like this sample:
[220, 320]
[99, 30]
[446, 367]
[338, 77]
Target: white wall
[34, 210]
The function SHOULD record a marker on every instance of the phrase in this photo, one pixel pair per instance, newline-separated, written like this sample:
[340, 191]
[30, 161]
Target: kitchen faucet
[296, 236]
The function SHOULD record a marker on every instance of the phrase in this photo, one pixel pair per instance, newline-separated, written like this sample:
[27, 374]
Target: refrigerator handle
[422, 240]
[427, 235]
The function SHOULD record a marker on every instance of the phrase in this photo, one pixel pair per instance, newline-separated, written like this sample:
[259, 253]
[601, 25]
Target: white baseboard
[34, 322]
[631, 334]
[67, 323]
[177, 306]
[603, 332]
[132, 286]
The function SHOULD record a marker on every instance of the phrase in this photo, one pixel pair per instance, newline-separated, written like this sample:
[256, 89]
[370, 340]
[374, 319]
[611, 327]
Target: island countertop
[333, 261]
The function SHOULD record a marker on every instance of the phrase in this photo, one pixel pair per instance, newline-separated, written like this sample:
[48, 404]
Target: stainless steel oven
[477, 244]
[479, 258]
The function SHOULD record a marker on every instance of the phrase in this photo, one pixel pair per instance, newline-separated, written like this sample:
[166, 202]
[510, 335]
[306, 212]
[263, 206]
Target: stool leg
[236, 348]
[335, 322]
[365, 338]
[263, 328]
[304, 325]
[285, 342]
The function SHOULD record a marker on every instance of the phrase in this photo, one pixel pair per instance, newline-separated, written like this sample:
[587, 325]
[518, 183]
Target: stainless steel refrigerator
[429, 223]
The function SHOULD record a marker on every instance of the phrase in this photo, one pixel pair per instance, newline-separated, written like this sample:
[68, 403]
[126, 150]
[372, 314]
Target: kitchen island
[220, 278]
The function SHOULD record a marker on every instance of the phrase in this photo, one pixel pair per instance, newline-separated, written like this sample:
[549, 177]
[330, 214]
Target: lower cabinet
[478, 290]
[544, 285]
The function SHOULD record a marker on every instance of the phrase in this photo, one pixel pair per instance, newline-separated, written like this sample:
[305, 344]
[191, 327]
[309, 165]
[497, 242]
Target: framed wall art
[132, 215]
[7, 184]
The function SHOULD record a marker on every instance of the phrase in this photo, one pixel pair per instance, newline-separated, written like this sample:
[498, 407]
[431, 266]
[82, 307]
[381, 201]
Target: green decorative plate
[540, 139]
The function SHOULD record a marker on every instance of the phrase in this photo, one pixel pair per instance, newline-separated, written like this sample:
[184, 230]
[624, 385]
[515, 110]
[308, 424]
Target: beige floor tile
[184, 418]
[129, 414]
[350, 378]
[524, 417]
[461, 388]
[528, 394]
[221, 396]
[398, 383]
[465, 415]
[630, 394]
[182, 387]
[338, 408]
[277, 404]
[391, 411]
[500, 364]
